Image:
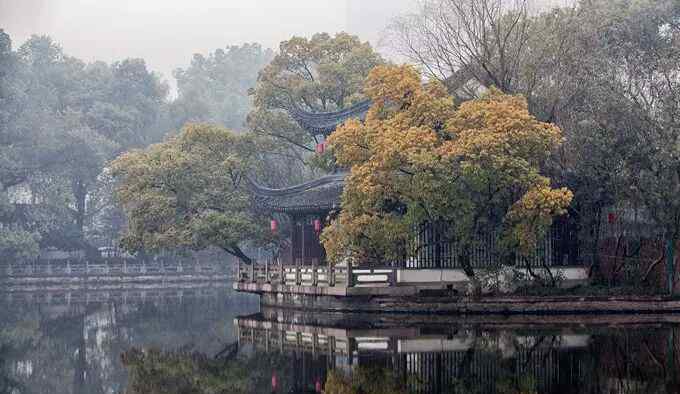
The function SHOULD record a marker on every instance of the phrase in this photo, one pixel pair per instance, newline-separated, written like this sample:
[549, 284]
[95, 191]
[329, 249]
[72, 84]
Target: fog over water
[167, 32]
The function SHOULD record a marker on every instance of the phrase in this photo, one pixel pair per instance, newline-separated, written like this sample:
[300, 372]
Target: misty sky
[167, 32]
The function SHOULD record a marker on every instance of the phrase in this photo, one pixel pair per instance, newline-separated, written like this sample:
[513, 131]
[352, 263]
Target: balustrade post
[331, 351]
[252, 272]
[350, 275]
[351, 345]
[266, 271]
[282, 339]
[315, 344]
[238, 270]
[315, 275]
[282, 274]
[331, 275]
[298, 276]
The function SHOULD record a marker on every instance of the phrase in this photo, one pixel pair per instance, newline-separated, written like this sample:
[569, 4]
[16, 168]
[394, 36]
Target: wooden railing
[317, 276]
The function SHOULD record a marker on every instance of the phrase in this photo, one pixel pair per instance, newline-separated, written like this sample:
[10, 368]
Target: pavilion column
[302, 252]
[293, 247]
[293, 260]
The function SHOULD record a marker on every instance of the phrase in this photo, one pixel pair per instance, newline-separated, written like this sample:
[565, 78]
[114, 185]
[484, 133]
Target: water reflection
[366, 354]
[208, 339]
[65, 341]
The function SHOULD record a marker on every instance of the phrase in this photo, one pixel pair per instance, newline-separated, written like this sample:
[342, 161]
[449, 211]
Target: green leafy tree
[63, 121]
[214, 89]
[28, 146]
[635, 103]
[320, 74]
[191, 191]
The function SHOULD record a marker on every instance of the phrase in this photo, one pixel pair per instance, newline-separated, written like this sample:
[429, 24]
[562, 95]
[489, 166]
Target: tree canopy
[190, 191]
[605, 72]
[214, 88]
[60, 122]
[320, 74]
[418, 158]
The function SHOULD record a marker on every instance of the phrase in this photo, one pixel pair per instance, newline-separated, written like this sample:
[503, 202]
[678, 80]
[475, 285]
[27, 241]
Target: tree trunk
[465, 263]
[595, 269]
[80, 196]
[238, 253]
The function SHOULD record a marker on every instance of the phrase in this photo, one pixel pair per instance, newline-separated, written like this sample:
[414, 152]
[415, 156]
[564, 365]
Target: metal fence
[431, 247]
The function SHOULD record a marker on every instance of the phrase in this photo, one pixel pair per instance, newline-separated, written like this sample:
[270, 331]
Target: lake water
[205, 338]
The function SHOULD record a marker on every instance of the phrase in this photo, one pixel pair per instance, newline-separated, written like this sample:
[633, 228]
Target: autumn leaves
[418, 157]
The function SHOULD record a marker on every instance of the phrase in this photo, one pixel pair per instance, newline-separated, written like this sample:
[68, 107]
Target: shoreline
[365, 302]
[373, 320]
[106, 283]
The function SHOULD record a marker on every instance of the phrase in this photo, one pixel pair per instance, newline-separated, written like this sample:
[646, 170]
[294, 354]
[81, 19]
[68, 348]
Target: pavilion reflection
[450, 355]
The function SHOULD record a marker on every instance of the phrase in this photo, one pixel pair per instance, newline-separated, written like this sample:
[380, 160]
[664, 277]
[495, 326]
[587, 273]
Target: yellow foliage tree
[418, 158]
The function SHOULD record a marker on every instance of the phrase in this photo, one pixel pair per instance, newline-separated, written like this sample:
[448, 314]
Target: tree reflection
[54, 347]
[152, 371]
[365, 380]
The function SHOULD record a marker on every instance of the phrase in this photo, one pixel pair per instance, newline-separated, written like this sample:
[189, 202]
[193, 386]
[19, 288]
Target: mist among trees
[604, 72]
[62, 120]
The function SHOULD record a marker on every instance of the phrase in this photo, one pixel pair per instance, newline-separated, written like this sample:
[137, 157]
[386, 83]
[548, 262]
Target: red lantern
[612, 218]
[274, 225]
[317, 225]
[320, 147]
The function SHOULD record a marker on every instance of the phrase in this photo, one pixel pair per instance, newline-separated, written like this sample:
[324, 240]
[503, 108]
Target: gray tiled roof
[325, 123]
[321, 194]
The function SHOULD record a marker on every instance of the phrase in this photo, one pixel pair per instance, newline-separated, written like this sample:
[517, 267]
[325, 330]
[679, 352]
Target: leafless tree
[472, 45]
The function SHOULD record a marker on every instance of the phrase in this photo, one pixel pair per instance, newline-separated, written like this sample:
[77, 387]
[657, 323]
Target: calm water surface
[208, 339]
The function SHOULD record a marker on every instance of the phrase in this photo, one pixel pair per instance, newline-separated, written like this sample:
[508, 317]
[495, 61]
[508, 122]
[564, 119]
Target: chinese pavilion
[309, 205]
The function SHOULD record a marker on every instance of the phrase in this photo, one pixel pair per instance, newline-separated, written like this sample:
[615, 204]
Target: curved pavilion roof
[316, 196]
[319, 195]
[326, 122]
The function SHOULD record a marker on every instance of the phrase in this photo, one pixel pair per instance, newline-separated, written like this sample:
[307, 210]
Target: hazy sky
[167, 32]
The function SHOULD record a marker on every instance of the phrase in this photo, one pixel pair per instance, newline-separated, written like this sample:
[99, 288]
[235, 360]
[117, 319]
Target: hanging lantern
[317, 225]
[612, 218]
[317, 386]
[275, 382]
[274, 225]
[320, 147]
